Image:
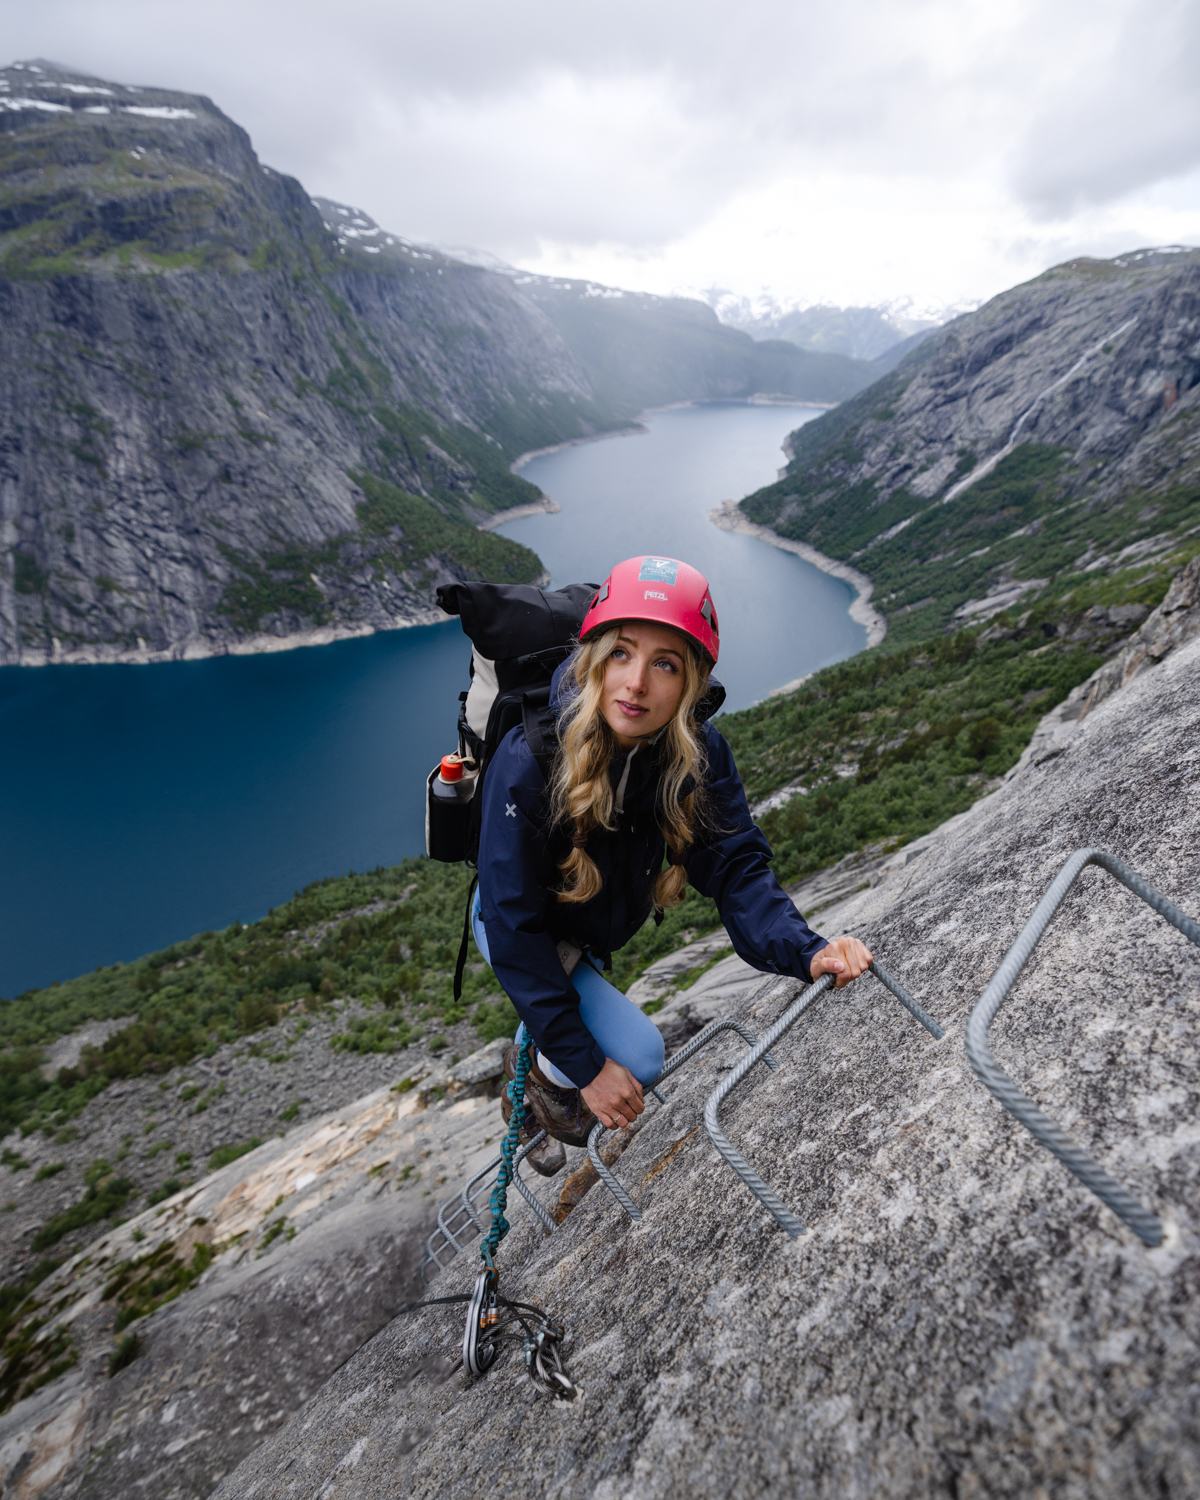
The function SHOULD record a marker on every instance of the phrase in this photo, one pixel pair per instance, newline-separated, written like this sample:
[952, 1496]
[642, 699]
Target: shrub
[223, 1155]
[168, 1189]
[258, 1011]
[105, 1196]
[983, 737]
[125, 1353]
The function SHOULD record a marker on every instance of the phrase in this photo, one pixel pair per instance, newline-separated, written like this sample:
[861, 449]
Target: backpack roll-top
[519, 635]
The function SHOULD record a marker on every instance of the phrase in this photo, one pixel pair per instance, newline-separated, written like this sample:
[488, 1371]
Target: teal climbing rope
[508, 1149]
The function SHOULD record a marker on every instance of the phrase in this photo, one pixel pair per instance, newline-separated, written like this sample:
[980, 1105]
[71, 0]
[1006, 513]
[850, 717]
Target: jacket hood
[561, 694]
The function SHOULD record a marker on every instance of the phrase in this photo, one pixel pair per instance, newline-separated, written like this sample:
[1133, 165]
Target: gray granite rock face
[963, 1318]
[185, 404]
[1175, 622]
[1098, 358]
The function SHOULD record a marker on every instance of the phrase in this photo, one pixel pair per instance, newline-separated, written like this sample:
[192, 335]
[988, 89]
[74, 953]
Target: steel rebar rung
[791, 1222]
[1144, 1224]
[685, 1054]
[448, 1225]
[523, 1188]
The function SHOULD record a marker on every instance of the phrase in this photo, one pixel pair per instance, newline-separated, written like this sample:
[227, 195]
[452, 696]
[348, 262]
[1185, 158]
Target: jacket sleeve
[730, 865]
[516, 872]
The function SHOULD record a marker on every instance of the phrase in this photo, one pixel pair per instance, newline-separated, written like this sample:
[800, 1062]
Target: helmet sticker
[658, 570]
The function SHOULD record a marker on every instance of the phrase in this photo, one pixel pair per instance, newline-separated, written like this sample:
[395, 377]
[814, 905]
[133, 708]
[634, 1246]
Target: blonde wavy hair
[581, 793]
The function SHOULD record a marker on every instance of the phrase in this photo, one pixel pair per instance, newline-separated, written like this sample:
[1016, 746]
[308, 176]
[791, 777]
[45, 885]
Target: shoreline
[728, 517]
[546, 506]
[194, 650]
[636, 428]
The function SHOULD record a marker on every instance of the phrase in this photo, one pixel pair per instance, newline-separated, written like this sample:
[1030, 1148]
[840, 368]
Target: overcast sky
[932, 150]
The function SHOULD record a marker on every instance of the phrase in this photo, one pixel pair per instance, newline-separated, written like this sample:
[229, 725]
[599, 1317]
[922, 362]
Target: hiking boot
[561, 1113]
[548, 1157]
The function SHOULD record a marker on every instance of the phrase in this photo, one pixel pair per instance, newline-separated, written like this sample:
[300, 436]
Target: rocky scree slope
[218, 429]
[163, 1354]
[963, 1317]
[157, 1133]
[1046, 443]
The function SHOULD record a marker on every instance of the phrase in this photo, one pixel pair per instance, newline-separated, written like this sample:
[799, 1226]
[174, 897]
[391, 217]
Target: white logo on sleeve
[510, 809]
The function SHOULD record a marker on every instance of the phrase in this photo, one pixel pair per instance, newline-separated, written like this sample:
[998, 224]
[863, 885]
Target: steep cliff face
[1013, 447]
[962, 1318]
[216, 425]
[225, 426]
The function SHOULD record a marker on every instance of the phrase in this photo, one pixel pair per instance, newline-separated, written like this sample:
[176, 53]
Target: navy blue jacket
[518, 875]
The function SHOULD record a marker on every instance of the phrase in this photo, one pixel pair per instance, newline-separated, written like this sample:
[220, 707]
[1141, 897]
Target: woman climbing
[571, 865]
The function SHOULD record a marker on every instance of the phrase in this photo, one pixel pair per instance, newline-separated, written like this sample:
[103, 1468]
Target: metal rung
[449, 1226]
[791, 1222]
[685, 1054]
[1144, 1224]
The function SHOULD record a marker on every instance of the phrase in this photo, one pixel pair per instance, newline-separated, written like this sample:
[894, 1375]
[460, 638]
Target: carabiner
[479, 1352]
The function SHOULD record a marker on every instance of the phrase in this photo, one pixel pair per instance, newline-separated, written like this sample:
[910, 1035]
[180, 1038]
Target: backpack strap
[541, 735]
[461, 965]
[541, 730]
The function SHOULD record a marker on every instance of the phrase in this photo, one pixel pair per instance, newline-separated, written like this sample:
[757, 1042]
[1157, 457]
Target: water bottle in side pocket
[450, 787]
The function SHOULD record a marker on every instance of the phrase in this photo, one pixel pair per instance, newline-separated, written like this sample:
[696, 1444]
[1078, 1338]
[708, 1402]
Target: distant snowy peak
[467, 255]
[860, 332]
[353, 226]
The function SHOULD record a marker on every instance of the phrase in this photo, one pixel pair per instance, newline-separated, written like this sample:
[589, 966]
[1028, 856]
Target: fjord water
[144, 804]
[652, 492]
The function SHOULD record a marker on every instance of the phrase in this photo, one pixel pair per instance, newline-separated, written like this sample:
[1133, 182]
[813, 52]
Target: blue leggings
[624, 1033]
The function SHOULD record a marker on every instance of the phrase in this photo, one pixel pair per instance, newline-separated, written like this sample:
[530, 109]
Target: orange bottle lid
[452, 768]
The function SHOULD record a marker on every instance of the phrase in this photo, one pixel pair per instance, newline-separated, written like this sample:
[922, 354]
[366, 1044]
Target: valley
[227, 427]
[239, 419]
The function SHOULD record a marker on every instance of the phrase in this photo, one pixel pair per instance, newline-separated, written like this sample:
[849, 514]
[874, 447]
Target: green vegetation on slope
[889, 745]
[29, 1361]
[409, 434]
[388, 938]
[400, 534]
[1024, 522]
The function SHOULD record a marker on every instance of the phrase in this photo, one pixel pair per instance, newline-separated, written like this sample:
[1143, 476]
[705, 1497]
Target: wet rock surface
[962, 1318]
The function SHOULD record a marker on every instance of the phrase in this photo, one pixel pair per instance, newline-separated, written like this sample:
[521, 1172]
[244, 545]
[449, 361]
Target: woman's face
[643, 682]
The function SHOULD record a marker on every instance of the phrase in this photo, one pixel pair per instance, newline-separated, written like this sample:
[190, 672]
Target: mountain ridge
[640, 350]
[223, 429]
[1001, 456]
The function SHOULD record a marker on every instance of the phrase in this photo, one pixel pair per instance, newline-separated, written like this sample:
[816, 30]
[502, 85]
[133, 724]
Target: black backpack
[520, 635]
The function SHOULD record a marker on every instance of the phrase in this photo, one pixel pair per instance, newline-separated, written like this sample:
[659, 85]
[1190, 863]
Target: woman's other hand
[845, 958]
[614, 1096]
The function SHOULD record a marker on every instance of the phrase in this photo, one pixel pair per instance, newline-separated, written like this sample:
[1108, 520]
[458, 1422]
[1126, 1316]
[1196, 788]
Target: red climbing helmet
[661, 591]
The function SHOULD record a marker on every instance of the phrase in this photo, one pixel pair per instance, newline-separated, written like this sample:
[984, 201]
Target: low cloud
[952, 136]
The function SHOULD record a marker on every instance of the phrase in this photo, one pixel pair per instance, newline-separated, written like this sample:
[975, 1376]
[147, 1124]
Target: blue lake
[144, 804]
